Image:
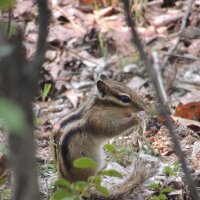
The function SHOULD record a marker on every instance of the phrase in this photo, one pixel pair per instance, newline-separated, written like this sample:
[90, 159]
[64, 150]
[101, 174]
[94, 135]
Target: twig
[183, 25]
[159, 76]
[18, 82]
[9, 21]
[186, 56]
[44, 16]
[163, 107]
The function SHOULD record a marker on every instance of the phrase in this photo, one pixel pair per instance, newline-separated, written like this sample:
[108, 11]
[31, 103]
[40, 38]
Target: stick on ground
[163, 107]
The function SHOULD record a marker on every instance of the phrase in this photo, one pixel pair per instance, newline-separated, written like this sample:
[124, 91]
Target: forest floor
[86, 40]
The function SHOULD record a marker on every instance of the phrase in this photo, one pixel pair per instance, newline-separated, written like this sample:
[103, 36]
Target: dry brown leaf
[122, 40]
[105, 12]
[189, 97]
[162, 29]
[60, 34]
[194, 125]
[24, 10]
[43, 154]
[165, 19]
[189, 111]
[194, 48]
[74, 97]
[99, 2]
[136, 82]
[191, 33]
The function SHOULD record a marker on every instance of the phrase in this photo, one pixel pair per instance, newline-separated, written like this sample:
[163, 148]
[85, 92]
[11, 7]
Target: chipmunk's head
[119, 96]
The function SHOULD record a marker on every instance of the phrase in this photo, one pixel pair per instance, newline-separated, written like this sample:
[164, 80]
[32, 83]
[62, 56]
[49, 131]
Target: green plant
[172, 171]
[120, 153]
[102, 44]
[5, 4]
[162, 189]
[46, 90]
[13, 116]
[37, 121]
[5, 192]
[80, 189]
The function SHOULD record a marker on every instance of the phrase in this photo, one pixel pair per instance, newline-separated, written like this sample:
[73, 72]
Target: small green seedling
[81, 189]
[163, 190]
[46, 90]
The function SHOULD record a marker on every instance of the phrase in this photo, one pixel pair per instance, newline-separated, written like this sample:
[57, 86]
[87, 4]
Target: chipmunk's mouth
[141, 114]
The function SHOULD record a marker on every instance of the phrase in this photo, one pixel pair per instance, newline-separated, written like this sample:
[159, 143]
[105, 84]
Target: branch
[157, 68]
[44, 16]
[163, 107]
[183, 25]
[18, 82]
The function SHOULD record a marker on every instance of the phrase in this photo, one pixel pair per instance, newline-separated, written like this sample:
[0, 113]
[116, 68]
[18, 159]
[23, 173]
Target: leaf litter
[85, 41]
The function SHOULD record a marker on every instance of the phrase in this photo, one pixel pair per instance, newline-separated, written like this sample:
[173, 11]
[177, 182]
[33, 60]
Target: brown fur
[103, 116]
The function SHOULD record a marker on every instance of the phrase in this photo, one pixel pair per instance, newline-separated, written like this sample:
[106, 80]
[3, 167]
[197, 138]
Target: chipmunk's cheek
[128, 115]
[130, 119]
[136, 118]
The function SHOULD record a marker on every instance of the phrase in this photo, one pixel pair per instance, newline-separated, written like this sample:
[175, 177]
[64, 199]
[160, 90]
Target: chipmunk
[111, 110]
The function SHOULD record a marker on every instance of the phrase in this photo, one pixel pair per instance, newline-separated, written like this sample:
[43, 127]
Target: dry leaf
[194, 125]
[189, 111]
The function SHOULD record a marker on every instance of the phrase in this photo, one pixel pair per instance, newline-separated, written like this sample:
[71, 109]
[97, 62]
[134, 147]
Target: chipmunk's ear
[103, 77]
[102, 88]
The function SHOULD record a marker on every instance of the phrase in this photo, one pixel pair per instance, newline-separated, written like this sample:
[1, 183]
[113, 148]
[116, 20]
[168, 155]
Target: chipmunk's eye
[125, 99]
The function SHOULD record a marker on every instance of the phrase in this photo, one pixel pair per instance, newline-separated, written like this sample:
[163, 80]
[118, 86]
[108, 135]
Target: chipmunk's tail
[130, 187]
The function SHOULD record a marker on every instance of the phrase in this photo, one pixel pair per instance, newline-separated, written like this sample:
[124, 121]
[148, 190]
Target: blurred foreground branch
[163, 106]
[18, 86]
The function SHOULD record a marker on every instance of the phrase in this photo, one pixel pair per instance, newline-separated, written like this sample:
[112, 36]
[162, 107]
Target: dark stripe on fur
[108, 103]
[65, 146]
[71, 119]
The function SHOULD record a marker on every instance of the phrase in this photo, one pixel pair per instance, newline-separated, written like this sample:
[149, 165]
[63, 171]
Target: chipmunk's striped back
[110, 110]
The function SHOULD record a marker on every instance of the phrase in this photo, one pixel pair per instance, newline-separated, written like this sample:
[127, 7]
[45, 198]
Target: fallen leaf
[192, 124]
[189, 111]
[73, 96]
[165, 19]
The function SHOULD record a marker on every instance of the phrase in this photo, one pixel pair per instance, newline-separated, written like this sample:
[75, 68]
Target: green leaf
[98, 180]
[110, 148]
[37, 121]
[7, 49]
[167, 190]
[70, 198]
[154, 186]
[4, 4]
[112, 173]
[80, 185]
[155, 197]
[46, 90]
[168, 170]
[2, 181]
[102, 190]
[62, 183]
[52, 143]
[13, 116]
[126, 150]
[176, 165]
[84, 163]
[62, 194]
[91, 178]
[163, 197]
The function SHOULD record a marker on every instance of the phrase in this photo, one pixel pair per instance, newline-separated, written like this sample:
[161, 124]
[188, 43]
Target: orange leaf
[189, 111]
